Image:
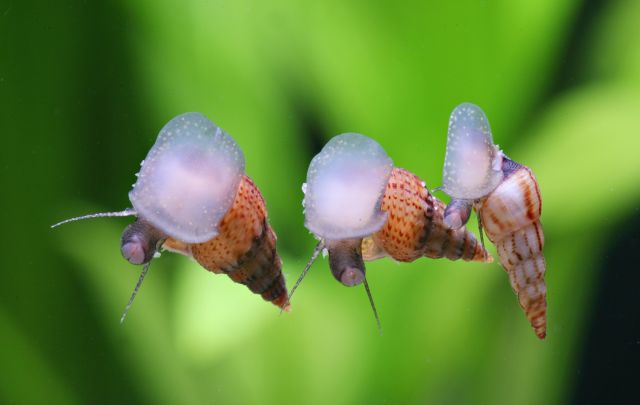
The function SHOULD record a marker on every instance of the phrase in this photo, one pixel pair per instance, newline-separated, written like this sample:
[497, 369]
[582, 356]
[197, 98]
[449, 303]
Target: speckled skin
[245, 248]
[415, 226]
[511, 218]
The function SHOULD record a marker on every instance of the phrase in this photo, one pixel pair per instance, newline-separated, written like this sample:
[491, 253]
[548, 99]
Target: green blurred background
[86, 86]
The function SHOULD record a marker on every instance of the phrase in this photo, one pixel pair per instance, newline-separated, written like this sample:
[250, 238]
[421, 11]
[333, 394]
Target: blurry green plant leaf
[22, 361]
[585, 156]
[613, 53]
[144, 340]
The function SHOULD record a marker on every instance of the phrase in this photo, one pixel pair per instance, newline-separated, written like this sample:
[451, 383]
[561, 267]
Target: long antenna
[314, 256]
[135, 291]
[373, 306]
[125, 213]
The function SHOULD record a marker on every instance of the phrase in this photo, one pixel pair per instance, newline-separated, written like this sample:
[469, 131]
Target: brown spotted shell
[245, 248]
[510, 215]
[415, 226]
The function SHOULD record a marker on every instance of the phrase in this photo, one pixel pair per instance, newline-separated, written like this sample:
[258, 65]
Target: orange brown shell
[415, 226]
[245, 248]
[510, 215]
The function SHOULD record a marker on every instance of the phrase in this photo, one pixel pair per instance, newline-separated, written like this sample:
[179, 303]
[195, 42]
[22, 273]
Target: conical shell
[415, 226]
[245, 248]
[511, 219]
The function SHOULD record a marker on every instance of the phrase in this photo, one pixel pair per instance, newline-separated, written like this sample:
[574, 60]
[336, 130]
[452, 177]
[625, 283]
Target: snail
[506, 196]
[360, 208]
[192, 197]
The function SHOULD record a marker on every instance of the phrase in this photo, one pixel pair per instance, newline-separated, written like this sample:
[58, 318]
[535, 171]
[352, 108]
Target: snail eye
[457, 213]
[139, 242]
[344, 188]
[134, 251]
[472, 164]
[189, 179]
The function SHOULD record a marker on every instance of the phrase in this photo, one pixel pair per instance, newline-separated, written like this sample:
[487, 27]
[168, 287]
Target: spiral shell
[415, 226]
[510, 215]
[245, 248]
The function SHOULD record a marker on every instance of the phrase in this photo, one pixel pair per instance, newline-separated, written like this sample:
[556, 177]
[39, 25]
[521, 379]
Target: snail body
[192, 197]
[506, 196]
[360, 207]
[383, 210]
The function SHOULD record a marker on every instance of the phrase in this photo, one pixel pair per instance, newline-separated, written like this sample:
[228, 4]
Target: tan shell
[415, 226]
[245, 248]
[511, 218]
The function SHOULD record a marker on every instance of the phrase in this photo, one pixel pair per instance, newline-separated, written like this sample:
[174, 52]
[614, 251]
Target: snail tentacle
[127, 212]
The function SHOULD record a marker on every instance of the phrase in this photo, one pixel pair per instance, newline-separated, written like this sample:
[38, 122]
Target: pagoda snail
[360, 207]
[192, 197]
[506, 196]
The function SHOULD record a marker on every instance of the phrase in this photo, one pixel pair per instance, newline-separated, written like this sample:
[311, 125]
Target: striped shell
[510, 215]
[415, 226]
[244, 249]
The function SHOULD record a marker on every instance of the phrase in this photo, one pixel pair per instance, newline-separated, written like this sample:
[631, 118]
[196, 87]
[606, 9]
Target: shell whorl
[245, 248]
[415, 226]
[511, 218]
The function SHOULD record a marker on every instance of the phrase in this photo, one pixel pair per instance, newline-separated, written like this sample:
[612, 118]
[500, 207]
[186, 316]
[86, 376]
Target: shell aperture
[344, 188]
[189, 179]
[472, 164]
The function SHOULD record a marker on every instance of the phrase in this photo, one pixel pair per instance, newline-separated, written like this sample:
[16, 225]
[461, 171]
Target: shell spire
[245, 248]
[416, 228]
[511, 218]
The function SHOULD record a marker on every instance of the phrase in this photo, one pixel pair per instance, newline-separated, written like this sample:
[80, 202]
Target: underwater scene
[452, 190]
